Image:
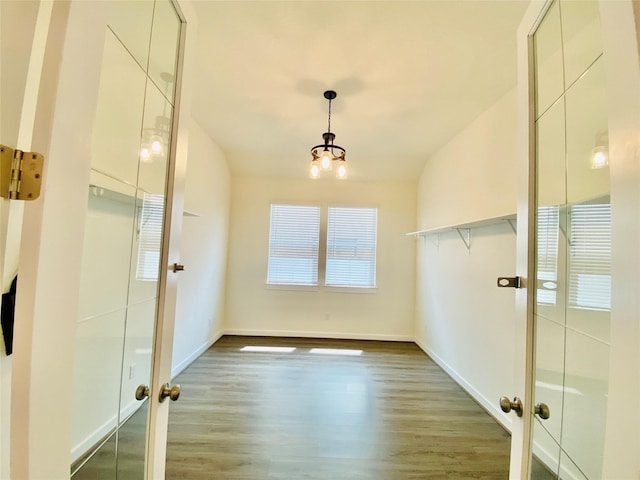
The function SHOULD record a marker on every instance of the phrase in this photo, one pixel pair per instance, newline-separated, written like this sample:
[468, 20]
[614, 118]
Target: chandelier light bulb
[342, 170]
[145, 154]
[599, 158]
[314, 171]
[156, 145]
[326, 160]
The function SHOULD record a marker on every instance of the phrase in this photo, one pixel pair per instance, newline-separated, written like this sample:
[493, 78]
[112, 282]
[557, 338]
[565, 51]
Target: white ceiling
[409, 75]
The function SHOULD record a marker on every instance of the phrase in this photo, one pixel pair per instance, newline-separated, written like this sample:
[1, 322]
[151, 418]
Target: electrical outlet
[132, 371]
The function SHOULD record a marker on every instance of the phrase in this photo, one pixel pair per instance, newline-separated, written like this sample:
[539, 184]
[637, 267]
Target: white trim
[44, 339]
[621, 41]
[319, 335]
[291, 287]
[184, 364]
[491, 407]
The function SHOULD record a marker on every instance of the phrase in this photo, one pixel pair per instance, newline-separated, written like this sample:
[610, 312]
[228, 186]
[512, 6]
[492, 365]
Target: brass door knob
[142, 392]
[507, 405]
[542, 410]
[172, 392]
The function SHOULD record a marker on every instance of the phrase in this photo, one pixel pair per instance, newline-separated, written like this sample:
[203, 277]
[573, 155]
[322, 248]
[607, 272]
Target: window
[351, 247]
[294, 239]
[293, 245]
[590, 260]
[150, 237]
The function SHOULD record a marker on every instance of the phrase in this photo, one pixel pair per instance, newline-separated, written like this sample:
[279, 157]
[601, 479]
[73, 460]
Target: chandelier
[325, 154]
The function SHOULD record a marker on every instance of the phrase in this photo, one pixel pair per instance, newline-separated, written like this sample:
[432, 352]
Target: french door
[578, 232]
[98, 259]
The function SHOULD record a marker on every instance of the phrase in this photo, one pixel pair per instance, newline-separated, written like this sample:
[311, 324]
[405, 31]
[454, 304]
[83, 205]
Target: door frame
[52, 242]
[621, 44]
[50, 250]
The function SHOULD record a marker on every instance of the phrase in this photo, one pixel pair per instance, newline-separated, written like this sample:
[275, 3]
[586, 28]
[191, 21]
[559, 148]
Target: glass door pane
[123, 238]
[573, 244]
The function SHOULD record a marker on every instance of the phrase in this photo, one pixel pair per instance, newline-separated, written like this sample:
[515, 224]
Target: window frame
[375, 249]
[293, 285]
[322, 251]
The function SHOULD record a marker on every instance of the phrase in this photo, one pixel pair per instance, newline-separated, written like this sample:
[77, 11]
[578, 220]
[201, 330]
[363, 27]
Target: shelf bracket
[512, 224]
[435, 239]
[466, 239]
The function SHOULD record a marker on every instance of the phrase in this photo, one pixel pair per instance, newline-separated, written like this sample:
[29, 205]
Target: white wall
[463, 321]
[472, 176]
[205, 230]
[254, 309]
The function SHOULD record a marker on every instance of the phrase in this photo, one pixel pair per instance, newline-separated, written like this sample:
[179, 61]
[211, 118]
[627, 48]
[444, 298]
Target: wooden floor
[390, 413]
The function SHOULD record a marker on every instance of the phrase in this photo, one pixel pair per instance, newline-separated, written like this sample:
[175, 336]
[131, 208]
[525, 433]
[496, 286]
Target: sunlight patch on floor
[257, 348]
[335, 351]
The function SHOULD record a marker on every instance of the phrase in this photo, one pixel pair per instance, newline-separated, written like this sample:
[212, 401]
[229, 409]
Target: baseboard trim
[304, 334]
[490, 407]
[184, 364]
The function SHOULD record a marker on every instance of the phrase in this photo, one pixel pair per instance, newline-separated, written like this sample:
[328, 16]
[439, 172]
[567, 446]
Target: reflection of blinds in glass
[150, 237]
[294, 241]
[590, 256]
[351, 247]
[547, 252]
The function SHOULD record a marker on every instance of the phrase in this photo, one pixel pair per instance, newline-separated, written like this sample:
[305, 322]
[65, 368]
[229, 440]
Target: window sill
[284, 286]
[347, 289]
[318, 288]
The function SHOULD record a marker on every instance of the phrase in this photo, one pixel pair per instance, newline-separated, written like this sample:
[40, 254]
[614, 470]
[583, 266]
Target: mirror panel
[569, 470]
[96, 393]
[550, 146]
[156, 135]
[585, 404]
[581, 37]
[116, 136]
[131, 23]
[546, 454]
[590, 212]
[548, 60]
[587, 137]
[138, 348]
[150, 200]
[165, 39]
[136, 370]
[107, 248]
[549, 374]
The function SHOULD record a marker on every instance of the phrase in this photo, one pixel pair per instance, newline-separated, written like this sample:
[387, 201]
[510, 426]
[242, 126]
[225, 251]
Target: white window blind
[351, 247]
[150, 237]
[293, 245]
[547, 223]
[590, 256]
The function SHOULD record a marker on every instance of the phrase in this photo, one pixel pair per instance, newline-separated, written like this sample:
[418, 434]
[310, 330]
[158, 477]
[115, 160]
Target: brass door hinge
[20, 174]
